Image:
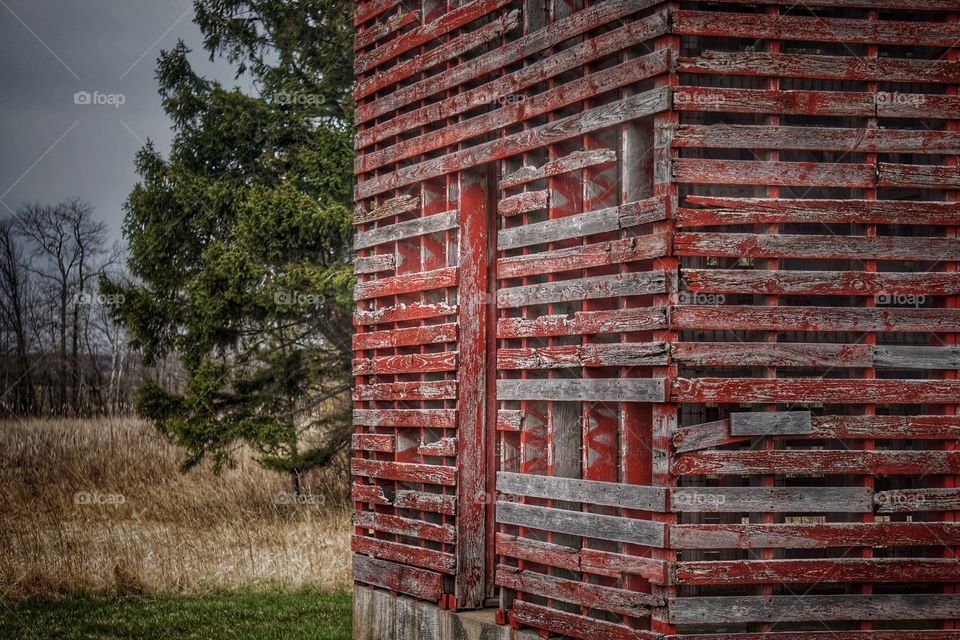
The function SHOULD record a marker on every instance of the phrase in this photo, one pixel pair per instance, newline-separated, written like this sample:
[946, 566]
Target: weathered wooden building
[657, 317]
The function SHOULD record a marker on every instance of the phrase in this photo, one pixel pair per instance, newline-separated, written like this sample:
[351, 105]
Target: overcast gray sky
[52, 148]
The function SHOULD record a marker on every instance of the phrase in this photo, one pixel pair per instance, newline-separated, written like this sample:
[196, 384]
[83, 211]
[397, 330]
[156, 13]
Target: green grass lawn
[229, 616]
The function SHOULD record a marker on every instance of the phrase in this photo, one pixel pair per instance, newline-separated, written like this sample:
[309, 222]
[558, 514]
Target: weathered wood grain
[917, 175]
[837, 283]
[410, 229]
[771, 500]
[441, 390]
[390, 338]
[584, 322]
[830, 391]
[917, 500]
[388, 209]
[383, 28]
[404, 498]
[769, 423]
[566, 164]
[403, 311]
[783, 318]
[584, 389]
[623, 354]
[724, 211]
[509, 420]
[428, 418]
[401, 526]
[769, 172]
[615, 494]
[405, 471]
[814, 536]
[524, 202]
[372, 442]
[441, 447]
[613, 286]
[585, 256]
[374, 264]
[583, 224]
[404, 554]
[769, 354]
[413, 363]
[829, 570]
[814, 103]
[414, 581]
[407, 283]
[590, 525]
[818, 462]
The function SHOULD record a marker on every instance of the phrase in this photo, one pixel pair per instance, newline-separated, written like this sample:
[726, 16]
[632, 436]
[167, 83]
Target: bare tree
[14, 315]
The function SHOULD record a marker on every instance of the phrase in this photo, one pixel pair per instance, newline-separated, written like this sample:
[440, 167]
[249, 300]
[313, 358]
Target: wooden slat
[910, 357]
[410, 229]
[818, 462]
[770, 423]
[830, 391]
[524, 202]
[589, 525]
[917, 175]
[441, 447]
[372, 442]
[818, 29]
[814, 536]
[428, 418]
[628, 603]
[647, 568]
[382, 28]
[403, 311]
[441, 390]
[792, 608]
[599, 254]
[371, 9]
[588, 121]
[405, 471]
[623, 354]
[401, 526]
[814, 103]
[407, 283]
[584, 322]
[820, 67]
[414, 581]
[404, 554]
[917, 500]
[771, 500]
[807, 319]
[831, 570]
[573, 625]
[374, 264]
[584, 389]
[616, 494]
[509, 420]
[819, 246]
[612, 286]
[412, 363]
[388, 209]
[404, 499]
[723, 211]
[767, 354]
[838, 283]
[431, 334]
[584, 224]
[769, 172]
[566, 164]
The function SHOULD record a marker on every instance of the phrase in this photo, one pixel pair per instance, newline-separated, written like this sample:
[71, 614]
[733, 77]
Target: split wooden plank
[771, 500]
[598, 254]
[705, 435]
[615, 494]
[771, 354]
[816, 29]
[563, 95]
[374, 264]
[814, 536]
[449, 21]
[441, 447]
[724, 211]
[405, 471]
[410, 336]
[406, 283]
[402, 312]
[584, 224]
[818, 462]
[571, 162]
[420, 583]
[585, 594]
[585, 322]
[509, 420]
[608, 115]
[501, 88]
[835, 283]
[839, 247]
[401, 526]
[827, 570]
[794, 608]
[524, 202]
[588, 525]
[621, 354]
[372, 442]
[821, 67]
[405, 554]
[635, 283]
[440, 390]
[411, 363]
[573, 625]
[410, 229]
[918, 176]
[828, 391]
[769, 172]
[783, 318]
[564, 29]
[404, 499]
[390, 208]
[584, 389]
[917, 500]
[770, 423]
[814, 103]
[427, 418]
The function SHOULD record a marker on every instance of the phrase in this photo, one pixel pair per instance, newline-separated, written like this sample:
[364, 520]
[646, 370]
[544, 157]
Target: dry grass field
[100, 507]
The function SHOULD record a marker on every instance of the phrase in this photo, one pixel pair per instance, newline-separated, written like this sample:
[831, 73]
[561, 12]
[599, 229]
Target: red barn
[656, 329]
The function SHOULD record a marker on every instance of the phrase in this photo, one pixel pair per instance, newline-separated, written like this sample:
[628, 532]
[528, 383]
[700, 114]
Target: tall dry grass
[100, 507]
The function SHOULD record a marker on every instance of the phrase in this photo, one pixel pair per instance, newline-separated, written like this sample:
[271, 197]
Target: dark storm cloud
[78, 95]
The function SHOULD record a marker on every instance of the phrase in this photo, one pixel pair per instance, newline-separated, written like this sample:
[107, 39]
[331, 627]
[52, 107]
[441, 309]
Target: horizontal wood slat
[814, 536]
[394, 576]
[589, 525]
[616, 494]
[771, 499]
[587, 390]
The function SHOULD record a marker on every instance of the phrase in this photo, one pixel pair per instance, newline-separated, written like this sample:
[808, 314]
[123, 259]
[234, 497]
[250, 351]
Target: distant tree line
[62, 353]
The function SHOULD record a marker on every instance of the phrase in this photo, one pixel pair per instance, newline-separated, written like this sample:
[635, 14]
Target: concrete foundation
[378, 615]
